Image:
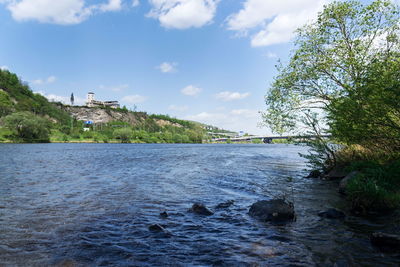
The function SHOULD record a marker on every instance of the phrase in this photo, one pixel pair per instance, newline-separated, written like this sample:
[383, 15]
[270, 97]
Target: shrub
[27, 127]
[123, 134]
[376, 187]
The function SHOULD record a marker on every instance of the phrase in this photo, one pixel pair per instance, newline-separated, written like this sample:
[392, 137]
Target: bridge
[225, 134]
[266, 139]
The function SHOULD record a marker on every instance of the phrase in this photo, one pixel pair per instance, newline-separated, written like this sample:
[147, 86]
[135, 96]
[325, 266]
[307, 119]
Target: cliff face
[100, 115]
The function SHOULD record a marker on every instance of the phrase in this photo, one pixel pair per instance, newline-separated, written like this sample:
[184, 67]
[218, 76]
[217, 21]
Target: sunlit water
[91, 205]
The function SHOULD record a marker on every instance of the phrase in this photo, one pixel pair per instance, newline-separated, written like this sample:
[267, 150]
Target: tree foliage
[123, 134]
[28, 127]
[5, 104]
[344, 74]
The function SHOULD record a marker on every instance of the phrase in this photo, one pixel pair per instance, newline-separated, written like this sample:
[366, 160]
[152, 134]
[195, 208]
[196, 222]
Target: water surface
[91, 205]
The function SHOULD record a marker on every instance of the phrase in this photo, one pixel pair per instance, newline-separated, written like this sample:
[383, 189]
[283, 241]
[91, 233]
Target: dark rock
[225, 205]
[335, 174]
[164, 214]
[156, 228]
[332, 214]
[345, 181]
[276, 210]
[200, 209]
[386, 242]
[314, 174]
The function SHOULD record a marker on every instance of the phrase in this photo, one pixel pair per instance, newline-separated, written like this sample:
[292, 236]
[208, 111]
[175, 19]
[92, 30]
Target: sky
[210, 61]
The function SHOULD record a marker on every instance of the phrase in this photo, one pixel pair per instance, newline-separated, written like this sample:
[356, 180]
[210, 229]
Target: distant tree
[72, 99]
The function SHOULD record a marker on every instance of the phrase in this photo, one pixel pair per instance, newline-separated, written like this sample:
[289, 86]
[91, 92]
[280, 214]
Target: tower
[90, 99]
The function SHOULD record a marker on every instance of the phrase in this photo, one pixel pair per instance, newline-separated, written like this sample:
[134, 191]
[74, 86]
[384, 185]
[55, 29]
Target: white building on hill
[91, 102]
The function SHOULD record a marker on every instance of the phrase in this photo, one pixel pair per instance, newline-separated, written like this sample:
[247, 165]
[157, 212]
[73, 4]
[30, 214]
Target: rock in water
[200, 209]
[335, 174]
[332, 214]
[225, 205]
[314, 174]
[388, 242]
[276, 210]
[164, 214]
[156, 228]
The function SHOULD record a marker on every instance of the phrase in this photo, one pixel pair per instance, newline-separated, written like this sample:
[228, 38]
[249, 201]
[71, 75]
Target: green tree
[5, 104]
[28, 127]
[370, 116]
[339, 74]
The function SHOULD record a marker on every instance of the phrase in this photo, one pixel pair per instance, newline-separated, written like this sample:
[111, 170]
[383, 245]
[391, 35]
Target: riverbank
[369, 180]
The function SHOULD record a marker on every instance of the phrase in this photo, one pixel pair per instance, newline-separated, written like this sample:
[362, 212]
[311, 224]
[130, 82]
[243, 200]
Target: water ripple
[92, 204]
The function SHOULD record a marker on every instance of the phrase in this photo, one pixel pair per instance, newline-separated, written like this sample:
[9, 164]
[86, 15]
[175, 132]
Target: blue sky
[205, 60]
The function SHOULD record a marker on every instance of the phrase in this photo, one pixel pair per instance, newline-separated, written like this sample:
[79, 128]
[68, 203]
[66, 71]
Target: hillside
[29, 117]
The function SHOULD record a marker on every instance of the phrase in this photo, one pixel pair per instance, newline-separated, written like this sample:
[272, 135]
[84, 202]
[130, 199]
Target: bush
[65, 138]
[376, 187]
[123, 134]
[27, 127]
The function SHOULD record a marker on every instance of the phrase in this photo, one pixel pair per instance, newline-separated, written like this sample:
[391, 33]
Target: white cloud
[271, 55]
[112, 5]
[274, 21]
[117, 88]
[51, 79]
[48, 80]
[230, 96]
[135, 3]
[191, 90]
[133, 99]
[183, 14]
[167, 67]
[178, 108]
[245, 113]
[64, 12]
[4, 68]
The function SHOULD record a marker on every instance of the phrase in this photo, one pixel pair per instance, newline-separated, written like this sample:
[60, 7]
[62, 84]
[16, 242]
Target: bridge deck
[267, 138]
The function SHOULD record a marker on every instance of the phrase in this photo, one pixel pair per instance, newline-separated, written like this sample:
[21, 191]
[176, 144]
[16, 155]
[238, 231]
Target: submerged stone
[200, 209]
[276, 210]
[225, 205]
[164, 214]
[332, 214]
[156, 228]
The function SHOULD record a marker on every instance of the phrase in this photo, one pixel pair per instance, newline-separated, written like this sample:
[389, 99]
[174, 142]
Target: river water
[92, 204]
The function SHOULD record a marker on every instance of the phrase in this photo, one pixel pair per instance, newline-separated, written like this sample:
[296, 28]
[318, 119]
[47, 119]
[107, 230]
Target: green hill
[29, 117]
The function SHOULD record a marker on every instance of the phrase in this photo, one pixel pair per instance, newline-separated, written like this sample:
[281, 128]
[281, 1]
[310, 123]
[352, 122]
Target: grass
[376, 187]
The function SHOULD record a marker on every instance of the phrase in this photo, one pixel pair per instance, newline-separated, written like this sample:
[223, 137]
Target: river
[92, 204]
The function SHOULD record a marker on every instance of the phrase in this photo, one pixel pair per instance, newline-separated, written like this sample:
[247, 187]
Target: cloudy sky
[205, 60]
